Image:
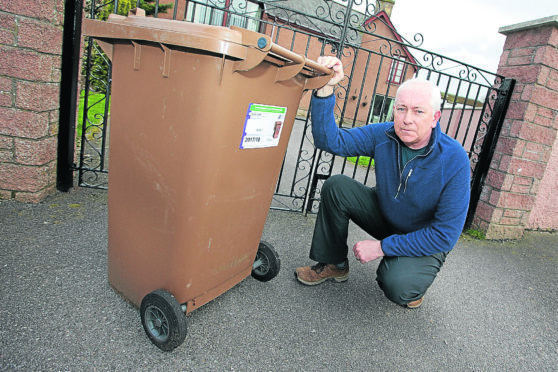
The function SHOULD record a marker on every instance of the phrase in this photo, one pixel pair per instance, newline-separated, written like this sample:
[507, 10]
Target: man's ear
[437, 116]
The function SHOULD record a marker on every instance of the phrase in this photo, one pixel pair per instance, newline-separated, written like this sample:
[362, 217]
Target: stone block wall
[30, 61]
[520, 188]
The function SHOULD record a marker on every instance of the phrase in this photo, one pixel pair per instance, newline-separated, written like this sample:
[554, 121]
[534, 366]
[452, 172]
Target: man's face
[414, 117]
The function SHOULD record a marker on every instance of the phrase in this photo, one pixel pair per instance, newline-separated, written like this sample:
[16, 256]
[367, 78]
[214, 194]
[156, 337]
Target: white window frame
[199, 13]
[396, 70]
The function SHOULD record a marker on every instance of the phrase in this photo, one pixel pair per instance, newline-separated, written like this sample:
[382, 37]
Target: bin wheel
[163, 320]
[267, 263]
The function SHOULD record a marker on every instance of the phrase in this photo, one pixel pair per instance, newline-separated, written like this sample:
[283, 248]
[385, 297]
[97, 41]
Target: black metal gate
[376, 60]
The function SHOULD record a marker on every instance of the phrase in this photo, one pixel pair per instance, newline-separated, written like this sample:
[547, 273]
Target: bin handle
[321, 68]
[318, 81]
[290, 70]
[139, 12]
[253, 58]
[259, 46]
[299, 62]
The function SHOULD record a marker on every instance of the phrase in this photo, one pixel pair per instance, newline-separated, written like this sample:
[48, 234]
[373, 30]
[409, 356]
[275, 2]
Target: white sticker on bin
[263, 126]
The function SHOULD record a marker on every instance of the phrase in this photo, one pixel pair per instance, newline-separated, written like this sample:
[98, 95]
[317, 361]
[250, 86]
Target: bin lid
[249, 47]
[215, 39]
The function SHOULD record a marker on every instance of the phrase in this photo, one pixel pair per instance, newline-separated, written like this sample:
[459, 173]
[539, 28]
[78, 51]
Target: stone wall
[520, 188]
[30, 59]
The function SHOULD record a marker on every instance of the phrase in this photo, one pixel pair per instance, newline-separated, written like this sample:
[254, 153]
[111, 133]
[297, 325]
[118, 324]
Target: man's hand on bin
[338, 74]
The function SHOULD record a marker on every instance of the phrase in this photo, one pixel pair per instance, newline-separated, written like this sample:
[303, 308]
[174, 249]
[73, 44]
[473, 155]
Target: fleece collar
[436, 132]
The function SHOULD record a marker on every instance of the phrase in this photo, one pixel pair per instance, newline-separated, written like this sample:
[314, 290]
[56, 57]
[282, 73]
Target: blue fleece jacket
[426, 200]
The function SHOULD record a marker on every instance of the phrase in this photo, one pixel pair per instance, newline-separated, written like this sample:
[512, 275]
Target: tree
[124, 7]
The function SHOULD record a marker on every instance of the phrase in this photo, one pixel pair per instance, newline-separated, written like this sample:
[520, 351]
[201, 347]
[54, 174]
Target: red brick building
[371, 76]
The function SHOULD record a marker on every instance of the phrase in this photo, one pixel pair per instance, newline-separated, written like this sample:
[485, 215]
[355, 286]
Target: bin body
[188, 192]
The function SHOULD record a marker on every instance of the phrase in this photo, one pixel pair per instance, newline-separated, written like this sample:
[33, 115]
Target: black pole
[346, 22]
[488, 146]
[71, 41]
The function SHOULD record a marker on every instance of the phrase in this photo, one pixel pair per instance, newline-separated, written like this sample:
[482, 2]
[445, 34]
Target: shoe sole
[338, 279]
[415, 306]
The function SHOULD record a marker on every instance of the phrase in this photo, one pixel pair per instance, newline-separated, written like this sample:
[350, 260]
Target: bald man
[417, 209]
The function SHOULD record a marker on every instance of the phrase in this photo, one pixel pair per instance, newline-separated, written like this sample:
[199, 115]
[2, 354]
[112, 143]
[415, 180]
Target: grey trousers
[402, 279]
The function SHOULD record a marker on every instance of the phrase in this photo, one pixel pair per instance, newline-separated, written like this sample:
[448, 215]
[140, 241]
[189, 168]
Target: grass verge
[363, 161]
[95, 112]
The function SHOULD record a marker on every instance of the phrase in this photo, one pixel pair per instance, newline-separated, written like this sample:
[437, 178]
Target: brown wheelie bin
[200, 120]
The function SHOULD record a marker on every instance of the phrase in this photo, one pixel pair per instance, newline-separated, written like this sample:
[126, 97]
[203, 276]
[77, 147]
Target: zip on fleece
[406, 179]
[402, 171]
[408, 176]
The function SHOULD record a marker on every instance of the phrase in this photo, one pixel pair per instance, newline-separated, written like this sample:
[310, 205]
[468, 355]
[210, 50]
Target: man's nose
[408, 117]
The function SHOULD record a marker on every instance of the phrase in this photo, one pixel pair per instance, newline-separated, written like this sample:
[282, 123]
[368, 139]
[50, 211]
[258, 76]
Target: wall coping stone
[523, 26]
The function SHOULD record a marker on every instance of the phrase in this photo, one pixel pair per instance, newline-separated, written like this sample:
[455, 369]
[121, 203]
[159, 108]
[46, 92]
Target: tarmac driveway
[493, 306]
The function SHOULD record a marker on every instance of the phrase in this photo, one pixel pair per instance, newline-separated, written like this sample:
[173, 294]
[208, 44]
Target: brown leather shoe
[320, 272]
[416, 303]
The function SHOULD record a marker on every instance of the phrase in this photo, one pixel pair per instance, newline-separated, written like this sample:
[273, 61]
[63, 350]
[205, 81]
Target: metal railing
[376, 60]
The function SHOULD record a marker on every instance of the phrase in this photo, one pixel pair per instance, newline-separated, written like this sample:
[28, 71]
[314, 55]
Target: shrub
[476, 234]
[99, 64]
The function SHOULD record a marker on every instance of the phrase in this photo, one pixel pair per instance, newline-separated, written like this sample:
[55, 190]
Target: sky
[466, 30]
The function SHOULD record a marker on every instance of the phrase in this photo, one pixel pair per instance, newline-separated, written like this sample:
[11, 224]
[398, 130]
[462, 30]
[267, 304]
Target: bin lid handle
[291, 69]
[139, 12]
[253, 58]
[318, 81]
[258, 46]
